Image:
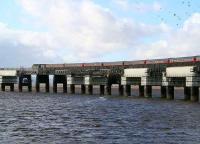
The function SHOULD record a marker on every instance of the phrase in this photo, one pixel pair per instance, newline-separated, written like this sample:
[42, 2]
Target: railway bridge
[164, 73]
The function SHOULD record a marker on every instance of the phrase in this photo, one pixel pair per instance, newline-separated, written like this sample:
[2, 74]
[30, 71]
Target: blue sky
[11, 12]
[52, 31]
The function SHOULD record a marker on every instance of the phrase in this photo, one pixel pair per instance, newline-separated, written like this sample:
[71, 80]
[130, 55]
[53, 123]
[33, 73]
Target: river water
[77, 119]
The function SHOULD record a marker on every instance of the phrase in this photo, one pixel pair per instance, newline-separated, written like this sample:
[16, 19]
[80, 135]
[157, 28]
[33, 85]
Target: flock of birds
[186, 7]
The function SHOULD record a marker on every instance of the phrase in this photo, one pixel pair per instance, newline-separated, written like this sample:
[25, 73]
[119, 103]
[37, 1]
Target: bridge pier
[59, 79]
[72, 89]
[148, 91]
[163, 92]
[11, 85]
[108, 89]
[187, 93]
[90, 89]
[170, 92]
[141, 91]
[25, 80]
[2, 87]
[195, 94]
[8, 80]
[83, 89]
[102, 89]
[42, 79]
[127, 90]
[121, 90]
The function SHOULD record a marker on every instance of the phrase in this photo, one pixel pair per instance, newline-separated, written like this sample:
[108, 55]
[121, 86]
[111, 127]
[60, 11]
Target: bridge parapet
[96, 80]
[135, 72]
[75, 80]
[180, 71]
[8, 72]
[26, 71]
[142, 76]
[8, 76]
[9, 79]
[181, 76]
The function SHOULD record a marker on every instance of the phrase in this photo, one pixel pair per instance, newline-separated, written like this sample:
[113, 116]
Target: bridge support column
[102, 89]
[187, 93]
[170, 92]
[2, 87]
[30, 88]
[90, 89]
[195, 94]
[65, 87]
[141, 91]
[163, 90]
[25, 80]
[42, 79]
[20, 86]
[127, 90]
[59, 79]
[47, 86]
[12, 87]
[54, 86]
[108, 89]
[148, 91]
[72, 88]
[121, 90]
[37, 87]
[83, 89]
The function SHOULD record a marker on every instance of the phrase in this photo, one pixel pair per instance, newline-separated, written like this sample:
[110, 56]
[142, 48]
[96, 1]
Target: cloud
[181, 42]
[84, 31]
[22, 48]
[138, 7]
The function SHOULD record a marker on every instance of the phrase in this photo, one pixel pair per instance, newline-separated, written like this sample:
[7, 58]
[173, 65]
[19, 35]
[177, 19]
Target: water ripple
[57, 119]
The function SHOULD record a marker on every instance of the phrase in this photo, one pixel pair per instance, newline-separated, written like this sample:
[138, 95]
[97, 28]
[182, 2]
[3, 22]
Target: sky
[67, 31]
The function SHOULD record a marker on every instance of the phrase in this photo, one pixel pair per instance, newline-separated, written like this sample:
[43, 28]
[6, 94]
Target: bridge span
[164, 73]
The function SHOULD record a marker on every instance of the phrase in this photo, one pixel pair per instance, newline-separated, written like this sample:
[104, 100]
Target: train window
[194, 59]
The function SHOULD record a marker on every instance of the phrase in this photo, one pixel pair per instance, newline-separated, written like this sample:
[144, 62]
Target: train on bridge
[164, 73]
[166, 61]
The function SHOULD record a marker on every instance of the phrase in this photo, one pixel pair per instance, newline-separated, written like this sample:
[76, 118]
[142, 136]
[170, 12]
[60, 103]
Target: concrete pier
[90, 89]
[187, 93]
[12, 88]
[83, 89]
[3, 86]
[148, 91]
[127, 90]
[163, 91]
[25, 80]
[121, 90]
[141, 91]
[170, 92]
[42, 79]
[102, 89]
[59, 79]
[195, 94]
[108, 89]
[72, 89]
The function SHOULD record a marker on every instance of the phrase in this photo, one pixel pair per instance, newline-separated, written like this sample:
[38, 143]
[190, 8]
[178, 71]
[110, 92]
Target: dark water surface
[59, 119]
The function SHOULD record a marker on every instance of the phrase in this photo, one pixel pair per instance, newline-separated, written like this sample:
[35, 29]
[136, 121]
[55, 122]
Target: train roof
[115, 62]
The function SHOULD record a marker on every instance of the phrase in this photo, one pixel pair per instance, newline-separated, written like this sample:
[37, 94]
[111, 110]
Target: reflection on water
[59, 118]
